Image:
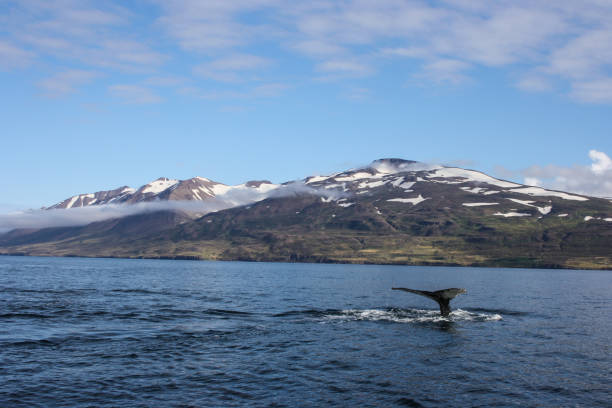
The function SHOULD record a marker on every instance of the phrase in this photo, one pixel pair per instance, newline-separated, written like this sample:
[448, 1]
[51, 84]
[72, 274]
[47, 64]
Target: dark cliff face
[393, 211]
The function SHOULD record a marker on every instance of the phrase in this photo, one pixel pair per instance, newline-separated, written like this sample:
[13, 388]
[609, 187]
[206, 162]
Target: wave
[225, 312]
[501, 311]
[412, 315]
[138, 291]
[396, 315]
[307, 312]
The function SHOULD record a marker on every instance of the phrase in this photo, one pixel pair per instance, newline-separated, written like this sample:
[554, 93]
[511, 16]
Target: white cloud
[409, 52]
[343, 68]
[231, 68]
[500, 37]
[66, 82]
[532, 181]
[594, 91]
[210, 25]
[85, 215]
[534, 83]
[268, 90]
[585, 56]
[265, 90]
[445, 70]
[166, 80]
[134, 94]
[12, 56]
[96, 34]
[357, 94]
[593, 180]
[562, 39]
[318, 48]
[541, 42]
[601, 162]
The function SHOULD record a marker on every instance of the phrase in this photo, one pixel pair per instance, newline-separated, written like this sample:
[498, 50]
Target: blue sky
[99, 94]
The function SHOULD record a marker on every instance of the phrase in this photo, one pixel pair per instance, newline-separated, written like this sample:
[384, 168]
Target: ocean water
[142, 333]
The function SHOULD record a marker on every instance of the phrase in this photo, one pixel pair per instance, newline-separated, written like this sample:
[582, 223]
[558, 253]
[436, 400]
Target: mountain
[164, 189]
[391, 212]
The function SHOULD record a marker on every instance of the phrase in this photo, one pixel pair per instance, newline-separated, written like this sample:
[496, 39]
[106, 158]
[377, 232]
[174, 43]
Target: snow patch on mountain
[538, 191]
[357, 176]
[407, 184]
[478, 204]
[543, 210]
[524, 202]
[372, 184]
[470, 175]
[589, 218]
[413, 201]
[474, 190]
[512, 214]
[72, 201]
[158, 186]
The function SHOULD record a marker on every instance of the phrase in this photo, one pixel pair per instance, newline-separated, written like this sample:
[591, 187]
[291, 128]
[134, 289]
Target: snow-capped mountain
[194, 189]
[391, 211]
[413, 183]
[409, 179]
[391, 180]
[117, 195]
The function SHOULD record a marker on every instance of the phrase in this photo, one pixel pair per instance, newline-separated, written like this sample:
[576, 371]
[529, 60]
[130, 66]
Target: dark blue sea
[143, 333]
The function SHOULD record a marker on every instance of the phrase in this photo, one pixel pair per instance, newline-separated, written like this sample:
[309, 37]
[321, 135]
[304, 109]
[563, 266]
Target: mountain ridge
[392, 211]
[163, 188]
[202, 189]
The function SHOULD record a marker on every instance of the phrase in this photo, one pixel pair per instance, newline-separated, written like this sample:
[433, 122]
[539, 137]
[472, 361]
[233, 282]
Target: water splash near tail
[410, 315]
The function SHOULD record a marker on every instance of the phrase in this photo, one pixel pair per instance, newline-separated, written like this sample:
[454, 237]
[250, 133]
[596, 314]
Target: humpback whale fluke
[443, 297]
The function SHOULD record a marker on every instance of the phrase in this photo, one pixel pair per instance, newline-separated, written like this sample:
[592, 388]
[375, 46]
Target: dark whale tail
[443, 297]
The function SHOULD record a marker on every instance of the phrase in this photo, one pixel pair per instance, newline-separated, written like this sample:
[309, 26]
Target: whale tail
[443, 297]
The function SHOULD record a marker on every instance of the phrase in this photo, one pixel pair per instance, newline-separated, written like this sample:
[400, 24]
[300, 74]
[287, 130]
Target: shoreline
[325, 262]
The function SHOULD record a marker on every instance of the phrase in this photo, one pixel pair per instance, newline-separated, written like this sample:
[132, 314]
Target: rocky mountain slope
[393, 211]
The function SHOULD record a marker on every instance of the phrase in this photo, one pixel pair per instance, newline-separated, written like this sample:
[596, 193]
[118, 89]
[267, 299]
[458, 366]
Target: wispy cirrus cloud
[99, 35]
[213, 25]
[12, 56]
[445, 71]
[595, 91]
[232, 68]
[560, 46]
[534, 83]
[264, 90]
[561, 40]
[344, 68]
[66, 82]
[134, 94]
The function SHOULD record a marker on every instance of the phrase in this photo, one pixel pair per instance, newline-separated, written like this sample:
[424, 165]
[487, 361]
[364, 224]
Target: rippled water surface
[103, 332]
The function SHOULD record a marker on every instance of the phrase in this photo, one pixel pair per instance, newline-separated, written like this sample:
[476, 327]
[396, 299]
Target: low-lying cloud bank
[36, 219]
[81, 216]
